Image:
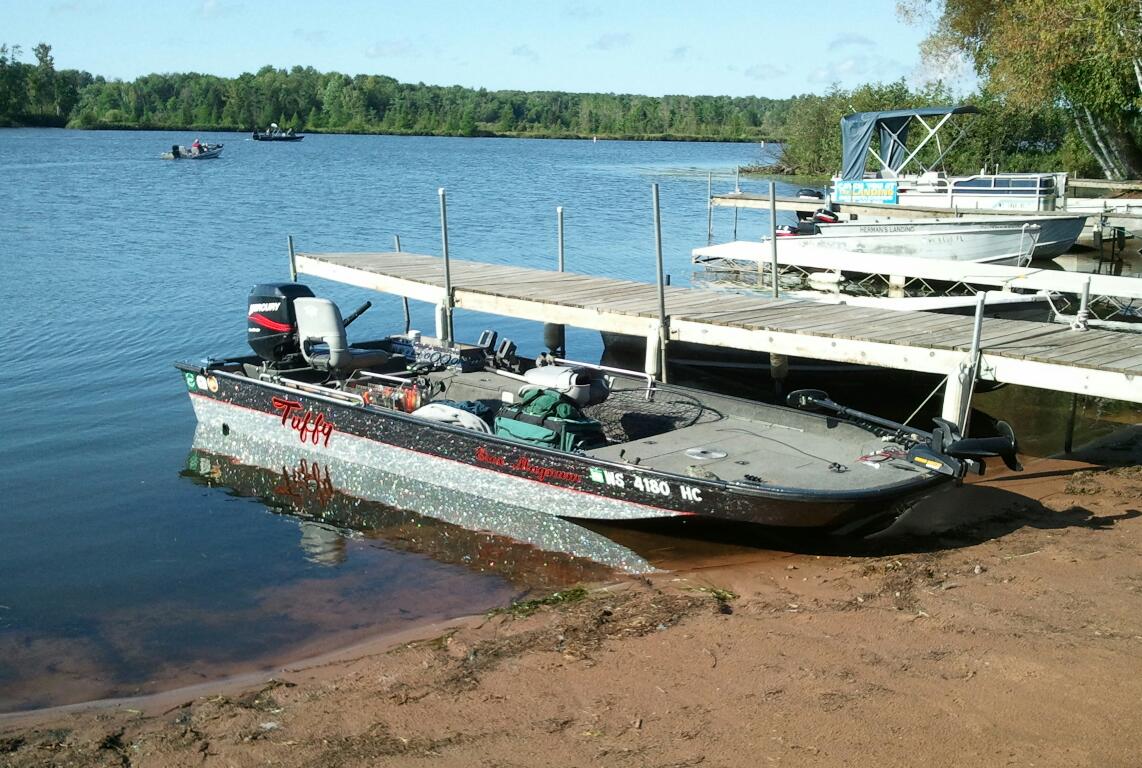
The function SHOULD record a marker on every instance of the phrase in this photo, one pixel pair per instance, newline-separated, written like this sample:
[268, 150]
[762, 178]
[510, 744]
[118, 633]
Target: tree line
[1060, 89]
[304, 99]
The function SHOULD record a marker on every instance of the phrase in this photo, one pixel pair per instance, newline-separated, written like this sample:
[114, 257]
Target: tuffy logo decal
[310, 426]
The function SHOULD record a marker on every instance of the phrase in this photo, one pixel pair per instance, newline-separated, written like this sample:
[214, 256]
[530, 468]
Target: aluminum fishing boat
[561, 437]
[201, 152]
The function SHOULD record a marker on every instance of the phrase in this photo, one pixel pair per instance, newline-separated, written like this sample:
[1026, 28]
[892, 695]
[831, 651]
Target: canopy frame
[893, 126]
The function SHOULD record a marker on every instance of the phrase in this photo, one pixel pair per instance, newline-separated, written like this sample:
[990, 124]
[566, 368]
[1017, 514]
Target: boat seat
[324, 345]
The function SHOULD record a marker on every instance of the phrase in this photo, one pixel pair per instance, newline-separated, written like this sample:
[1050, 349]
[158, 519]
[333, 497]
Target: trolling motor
[942, 450]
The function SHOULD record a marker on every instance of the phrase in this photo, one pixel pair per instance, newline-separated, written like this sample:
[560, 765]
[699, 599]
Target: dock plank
[1092, 362]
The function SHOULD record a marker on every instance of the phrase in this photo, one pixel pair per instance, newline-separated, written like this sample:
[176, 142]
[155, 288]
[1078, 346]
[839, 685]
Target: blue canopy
[857, 130]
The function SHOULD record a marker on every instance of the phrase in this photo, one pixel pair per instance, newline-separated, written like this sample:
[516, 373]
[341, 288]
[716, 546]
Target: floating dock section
[1050, 356]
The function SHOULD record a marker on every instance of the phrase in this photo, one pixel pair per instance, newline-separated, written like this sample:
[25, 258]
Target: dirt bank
[1013, 639]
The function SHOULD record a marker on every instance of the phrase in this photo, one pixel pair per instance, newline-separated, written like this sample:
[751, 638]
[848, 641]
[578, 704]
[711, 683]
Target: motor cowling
[271, 323]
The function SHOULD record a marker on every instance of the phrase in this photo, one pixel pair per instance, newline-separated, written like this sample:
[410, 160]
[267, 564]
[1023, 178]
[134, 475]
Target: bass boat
[561, 437]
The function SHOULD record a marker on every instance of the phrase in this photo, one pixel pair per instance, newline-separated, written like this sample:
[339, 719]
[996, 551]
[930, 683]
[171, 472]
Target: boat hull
[186, 153]
[554, 482]
[969, 243]
[450, 525]
[1056, 233]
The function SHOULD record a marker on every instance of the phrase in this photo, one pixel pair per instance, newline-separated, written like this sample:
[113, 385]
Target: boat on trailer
[566, 438]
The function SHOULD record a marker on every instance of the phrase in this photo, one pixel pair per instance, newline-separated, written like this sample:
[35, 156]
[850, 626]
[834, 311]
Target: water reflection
[334, 499]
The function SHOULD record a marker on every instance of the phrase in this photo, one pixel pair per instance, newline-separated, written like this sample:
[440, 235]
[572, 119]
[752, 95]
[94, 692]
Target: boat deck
[747, 449]
[718, 438]
[1050, 356]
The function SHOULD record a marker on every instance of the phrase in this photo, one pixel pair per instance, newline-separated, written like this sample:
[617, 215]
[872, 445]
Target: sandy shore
[1013, 637]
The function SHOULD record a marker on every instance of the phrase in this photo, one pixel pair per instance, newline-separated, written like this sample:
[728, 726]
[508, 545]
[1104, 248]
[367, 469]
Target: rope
[943, 381]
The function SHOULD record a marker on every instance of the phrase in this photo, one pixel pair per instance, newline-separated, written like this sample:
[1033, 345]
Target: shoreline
[998, 639]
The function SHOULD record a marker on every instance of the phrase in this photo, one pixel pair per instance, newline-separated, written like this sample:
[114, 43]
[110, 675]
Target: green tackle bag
[546, 417]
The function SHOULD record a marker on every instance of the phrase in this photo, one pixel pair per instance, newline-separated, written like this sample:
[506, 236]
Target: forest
[1060, 88]
[305, 99]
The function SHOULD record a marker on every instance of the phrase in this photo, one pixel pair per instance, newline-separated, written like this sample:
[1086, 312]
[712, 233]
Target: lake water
[132, 557]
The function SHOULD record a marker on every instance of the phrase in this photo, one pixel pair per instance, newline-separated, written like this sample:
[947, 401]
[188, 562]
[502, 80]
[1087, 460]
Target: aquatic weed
[524, 608]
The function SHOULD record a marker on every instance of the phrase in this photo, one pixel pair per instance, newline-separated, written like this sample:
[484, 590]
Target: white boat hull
[1004, 245]
[1056, 233]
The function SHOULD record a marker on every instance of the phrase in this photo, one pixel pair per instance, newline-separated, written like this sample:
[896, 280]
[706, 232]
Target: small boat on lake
[566, 438]
[200, 152]
[273, 133]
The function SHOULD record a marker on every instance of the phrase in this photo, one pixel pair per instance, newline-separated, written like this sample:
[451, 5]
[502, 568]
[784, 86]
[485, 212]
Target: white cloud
[611, 41]
[311, 36]
[856, 70]
[766, 72]
[582, 11]
[392, 49]
[852, 41]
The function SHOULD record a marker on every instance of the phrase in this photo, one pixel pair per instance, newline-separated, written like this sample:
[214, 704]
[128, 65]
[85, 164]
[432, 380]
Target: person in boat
[196, 147]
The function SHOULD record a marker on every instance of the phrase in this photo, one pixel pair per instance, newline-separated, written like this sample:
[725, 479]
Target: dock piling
[709, 208]
[404, 299]
[961, 383]
[559, 219]
[772, 234]
[555, 334]
[444, 311]
[663, 327]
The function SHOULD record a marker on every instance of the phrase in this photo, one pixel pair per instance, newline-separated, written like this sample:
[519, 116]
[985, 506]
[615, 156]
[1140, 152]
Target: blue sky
[730, 47]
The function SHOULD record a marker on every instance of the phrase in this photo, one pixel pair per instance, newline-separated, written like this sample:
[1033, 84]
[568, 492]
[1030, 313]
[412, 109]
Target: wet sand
[1000, 625]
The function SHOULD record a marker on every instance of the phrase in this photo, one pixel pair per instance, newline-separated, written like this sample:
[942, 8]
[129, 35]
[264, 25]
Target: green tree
[1083, 54]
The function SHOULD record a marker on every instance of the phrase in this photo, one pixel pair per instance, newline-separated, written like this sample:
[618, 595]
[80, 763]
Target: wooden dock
[1050, 356]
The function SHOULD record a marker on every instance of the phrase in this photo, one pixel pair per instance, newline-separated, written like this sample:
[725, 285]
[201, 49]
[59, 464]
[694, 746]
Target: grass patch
[523, 608]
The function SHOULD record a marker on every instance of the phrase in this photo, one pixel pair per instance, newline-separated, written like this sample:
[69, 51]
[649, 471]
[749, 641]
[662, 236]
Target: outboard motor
[175, 151]
[271, 328]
